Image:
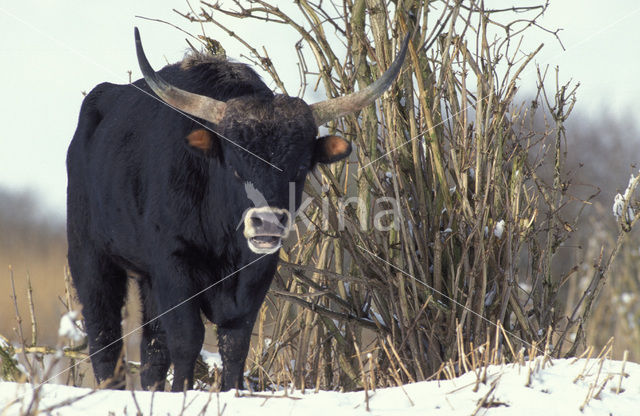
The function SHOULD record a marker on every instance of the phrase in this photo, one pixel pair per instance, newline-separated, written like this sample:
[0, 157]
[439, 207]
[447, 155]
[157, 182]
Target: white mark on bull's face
[254, 195]
[264, 226]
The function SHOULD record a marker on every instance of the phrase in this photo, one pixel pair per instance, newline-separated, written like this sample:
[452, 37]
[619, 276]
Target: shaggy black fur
[142, 202]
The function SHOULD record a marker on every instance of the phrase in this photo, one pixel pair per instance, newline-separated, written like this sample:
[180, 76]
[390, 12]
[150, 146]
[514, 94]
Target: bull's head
[279, 130]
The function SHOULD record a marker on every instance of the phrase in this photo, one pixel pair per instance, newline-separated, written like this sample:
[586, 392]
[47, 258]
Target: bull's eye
[236, 174]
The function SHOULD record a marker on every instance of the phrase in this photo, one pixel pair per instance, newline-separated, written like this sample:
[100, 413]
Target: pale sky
[51, 51]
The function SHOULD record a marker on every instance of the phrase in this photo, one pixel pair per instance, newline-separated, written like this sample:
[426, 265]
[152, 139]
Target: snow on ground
[558, 387]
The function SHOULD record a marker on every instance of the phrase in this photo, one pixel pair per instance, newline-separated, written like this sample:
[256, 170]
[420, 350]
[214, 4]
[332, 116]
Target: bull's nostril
[282, 218]
[256, 222]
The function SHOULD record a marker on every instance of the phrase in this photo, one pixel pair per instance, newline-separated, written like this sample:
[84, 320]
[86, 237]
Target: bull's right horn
[196, 105]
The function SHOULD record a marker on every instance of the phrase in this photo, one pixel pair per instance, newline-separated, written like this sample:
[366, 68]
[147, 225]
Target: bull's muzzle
[265, 227]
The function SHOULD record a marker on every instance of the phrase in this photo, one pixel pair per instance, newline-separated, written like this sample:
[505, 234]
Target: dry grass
[35, 248]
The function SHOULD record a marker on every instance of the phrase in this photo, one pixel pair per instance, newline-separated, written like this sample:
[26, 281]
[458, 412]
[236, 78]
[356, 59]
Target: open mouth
[265, 243]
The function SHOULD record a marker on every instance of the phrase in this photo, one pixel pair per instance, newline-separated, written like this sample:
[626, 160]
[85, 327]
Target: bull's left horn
[334, 108]
[196, 105]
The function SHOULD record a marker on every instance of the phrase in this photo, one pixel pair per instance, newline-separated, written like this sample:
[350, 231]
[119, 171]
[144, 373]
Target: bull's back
[78, 155]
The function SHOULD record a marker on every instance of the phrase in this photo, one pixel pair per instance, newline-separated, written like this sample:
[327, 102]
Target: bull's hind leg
[154, 353]
[102, 289]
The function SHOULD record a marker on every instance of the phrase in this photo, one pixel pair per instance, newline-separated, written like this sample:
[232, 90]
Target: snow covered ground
[558, 387]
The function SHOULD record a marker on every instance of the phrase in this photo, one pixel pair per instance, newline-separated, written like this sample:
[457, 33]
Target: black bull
[156, 194]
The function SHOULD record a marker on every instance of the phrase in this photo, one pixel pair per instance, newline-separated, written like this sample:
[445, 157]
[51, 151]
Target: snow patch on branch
[621, 200]
[499, 229]
[71, 327]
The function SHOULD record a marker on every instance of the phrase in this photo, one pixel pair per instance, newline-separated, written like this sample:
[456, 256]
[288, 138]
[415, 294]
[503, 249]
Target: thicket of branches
[484, 201]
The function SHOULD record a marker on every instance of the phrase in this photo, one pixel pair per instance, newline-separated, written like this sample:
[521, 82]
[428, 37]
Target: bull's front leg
[233, 345]
[185, 332]
[181, 320]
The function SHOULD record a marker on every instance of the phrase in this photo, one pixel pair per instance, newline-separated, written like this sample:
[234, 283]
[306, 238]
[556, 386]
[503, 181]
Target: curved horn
[194, 104]
[333, 108]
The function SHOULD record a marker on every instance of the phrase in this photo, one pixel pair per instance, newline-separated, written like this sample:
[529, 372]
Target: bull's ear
[206, 142]
[330, 149]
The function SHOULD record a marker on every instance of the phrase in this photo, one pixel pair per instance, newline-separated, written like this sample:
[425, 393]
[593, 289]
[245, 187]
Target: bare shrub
[486, 202]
